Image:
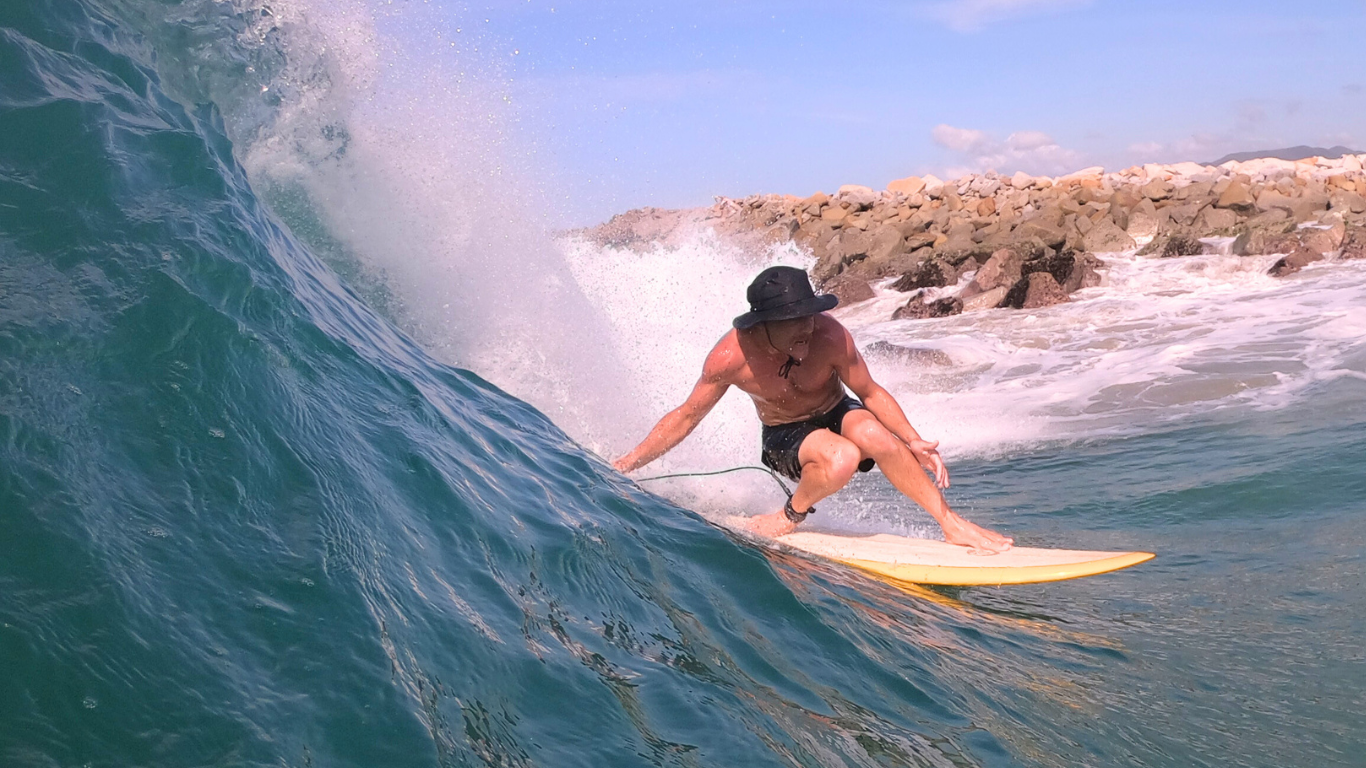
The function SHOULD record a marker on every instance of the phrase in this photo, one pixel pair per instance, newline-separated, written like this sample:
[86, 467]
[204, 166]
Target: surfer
[794, 361]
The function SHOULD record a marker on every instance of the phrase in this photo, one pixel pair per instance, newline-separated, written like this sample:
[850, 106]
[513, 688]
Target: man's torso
[810, 388]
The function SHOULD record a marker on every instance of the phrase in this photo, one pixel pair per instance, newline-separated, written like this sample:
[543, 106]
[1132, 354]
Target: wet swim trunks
[782, 442]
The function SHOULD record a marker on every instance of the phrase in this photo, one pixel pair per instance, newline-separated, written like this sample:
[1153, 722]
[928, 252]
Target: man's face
[792, 337]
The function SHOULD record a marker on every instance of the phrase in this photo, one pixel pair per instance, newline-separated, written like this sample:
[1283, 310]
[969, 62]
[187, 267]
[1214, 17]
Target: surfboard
[925, 561]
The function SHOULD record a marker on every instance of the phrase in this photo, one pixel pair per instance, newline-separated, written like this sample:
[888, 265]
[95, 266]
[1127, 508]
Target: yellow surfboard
[925, 561]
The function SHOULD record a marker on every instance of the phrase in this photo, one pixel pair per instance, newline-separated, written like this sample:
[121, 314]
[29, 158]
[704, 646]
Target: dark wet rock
[1182, 245]
[1033, 291]
[1354, 243]
[1300, 258]
[1071, 270]
[917, 309]
[933, 273]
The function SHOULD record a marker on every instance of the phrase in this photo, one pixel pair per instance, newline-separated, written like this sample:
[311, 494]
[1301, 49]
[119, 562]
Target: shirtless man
[794, 361]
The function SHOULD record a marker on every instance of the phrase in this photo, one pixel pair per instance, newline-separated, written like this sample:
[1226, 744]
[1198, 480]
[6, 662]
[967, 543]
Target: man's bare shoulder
[726, 360]
[836, 341]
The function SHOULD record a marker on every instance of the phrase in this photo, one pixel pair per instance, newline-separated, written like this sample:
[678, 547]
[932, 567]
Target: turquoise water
[245, 519]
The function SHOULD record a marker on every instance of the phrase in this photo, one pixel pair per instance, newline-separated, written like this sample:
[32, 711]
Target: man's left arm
[853, 371]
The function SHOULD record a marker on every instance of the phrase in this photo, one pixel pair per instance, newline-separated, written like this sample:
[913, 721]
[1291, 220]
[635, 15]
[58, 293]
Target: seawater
[302, 418]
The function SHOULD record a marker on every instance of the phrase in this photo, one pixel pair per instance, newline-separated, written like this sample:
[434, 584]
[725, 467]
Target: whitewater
[306, 409]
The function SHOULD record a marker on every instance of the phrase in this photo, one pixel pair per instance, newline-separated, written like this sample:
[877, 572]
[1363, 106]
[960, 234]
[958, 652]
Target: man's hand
[926, 452]
[623, 466]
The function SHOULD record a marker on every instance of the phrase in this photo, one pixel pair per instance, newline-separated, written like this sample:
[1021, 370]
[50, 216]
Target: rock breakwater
[1026, 241]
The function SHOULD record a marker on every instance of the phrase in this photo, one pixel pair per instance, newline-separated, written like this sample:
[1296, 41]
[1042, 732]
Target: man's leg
[828, 461]
[876, 442]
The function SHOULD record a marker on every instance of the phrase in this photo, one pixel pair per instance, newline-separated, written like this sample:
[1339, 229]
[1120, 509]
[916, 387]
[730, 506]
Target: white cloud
[1025, 141]
[972, 15]
[959, 139]
[1029, 151]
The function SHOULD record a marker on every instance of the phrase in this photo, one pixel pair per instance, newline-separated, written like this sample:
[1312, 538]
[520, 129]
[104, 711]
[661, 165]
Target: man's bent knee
[873, 439]
[839, 460]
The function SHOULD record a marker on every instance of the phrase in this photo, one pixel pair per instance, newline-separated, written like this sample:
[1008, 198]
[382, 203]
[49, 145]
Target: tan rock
[1348, 201]
[848, 288]
[1321, 240]
[987, 207]
[857, 196]
[1002, 270]
[986, 300]
[835, 216]
[1157, 189]
[1106, 237]
[1216, 220]
[1143, 222]
[1236, 197]
[911, 185]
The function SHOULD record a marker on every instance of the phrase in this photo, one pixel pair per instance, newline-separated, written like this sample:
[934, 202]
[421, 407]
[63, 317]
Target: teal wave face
[245, 521]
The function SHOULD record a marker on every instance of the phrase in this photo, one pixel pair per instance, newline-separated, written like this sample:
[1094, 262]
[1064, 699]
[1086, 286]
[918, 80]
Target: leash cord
[770, 473]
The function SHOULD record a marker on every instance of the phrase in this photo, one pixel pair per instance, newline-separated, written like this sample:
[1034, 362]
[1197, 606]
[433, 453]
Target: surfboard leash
[765, 470]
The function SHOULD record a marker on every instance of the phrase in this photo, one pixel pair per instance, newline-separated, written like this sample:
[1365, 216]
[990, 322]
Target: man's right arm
[681, 421]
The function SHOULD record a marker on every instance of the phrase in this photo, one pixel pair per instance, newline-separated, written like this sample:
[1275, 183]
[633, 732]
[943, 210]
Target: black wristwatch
[793, 515]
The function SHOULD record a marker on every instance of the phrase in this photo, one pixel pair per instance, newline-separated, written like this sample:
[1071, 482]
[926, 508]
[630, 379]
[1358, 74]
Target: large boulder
[1044, 226]
[911, 185]
[1216, 221]
[1347, 202]
[1035, 290]
[1002, 270]
[1257, 241]
[845, 248]
[848, 289]
[887, 254]
[987, 300]
[932, 273]
[1071, 270]
[1236, 197]
[1294, 262]
[917, 309]
[1182, 244]
[1354, 243]
[1144, 222]
[1105, 237]
[1157, 189]
[859, 197]
[1322, 239]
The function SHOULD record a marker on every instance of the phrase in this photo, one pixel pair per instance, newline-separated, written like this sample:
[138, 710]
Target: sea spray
[383, 138]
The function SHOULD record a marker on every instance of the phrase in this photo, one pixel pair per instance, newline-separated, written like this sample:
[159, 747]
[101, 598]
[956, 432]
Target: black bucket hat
[782, 293]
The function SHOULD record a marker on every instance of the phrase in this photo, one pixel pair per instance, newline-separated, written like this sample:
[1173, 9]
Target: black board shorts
[782, 442]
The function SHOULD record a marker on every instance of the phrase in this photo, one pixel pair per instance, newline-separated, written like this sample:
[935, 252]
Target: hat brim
[812, 306]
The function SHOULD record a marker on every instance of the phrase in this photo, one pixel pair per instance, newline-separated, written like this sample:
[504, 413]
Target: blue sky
[670, 103]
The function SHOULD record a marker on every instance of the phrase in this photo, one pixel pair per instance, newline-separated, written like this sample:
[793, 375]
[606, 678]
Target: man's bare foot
[981, 540]
[771, 525]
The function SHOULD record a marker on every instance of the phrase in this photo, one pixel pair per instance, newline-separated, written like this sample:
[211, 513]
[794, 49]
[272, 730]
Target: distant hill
[1289, 153]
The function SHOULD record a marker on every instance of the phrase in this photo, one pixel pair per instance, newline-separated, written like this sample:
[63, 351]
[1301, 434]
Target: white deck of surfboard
[900, 550]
